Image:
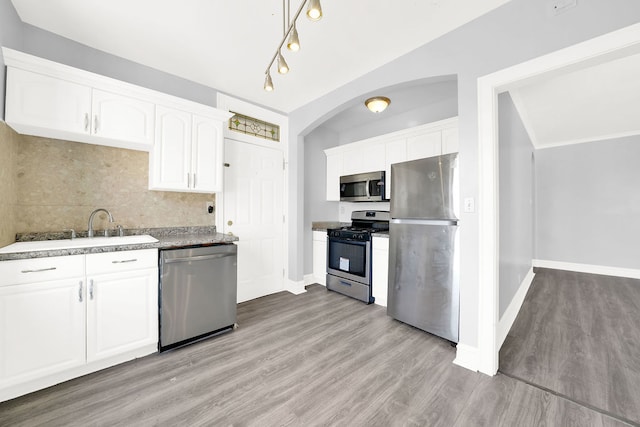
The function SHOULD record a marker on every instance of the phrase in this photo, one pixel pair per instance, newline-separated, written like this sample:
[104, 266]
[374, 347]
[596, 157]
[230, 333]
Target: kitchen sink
[81, 242]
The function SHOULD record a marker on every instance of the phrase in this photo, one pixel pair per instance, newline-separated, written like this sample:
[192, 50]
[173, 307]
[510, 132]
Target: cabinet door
[395, 152]
[122, 118]
[122, 312]
[380, 269]
[35, 101]
[42, 329]
[207, 154]
[170, 159]
[426, 145]
[320, 257]
[334, 170]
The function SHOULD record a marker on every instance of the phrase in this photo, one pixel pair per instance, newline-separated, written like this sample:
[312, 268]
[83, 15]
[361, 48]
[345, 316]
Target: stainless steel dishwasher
[198, 292]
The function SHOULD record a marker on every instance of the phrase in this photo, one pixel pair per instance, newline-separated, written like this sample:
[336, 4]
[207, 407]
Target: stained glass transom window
[250, 126]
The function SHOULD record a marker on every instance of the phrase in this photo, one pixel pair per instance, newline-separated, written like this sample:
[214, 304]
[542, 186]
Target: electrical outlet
[210, 207]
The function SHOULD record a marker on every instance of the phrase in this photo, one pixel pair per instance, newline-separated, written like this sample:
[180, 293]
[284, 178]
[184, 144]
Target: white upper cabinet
[187, 155]
[170, 160]
[42, 102]
[122, 118]
[52, 100]
[206, 153]
[424, 145]
[379, 153]
[47, 106]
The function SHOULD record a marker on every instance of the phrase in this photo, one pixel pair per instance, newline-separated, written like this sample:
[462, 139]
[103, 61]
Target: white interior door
[253, 211]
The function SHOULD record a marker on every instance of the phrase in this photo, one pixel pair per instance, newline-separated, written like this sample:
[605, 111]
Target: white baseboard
[295, 288]
[310, 279]
[588, 268]
[467, 357]
[510, 314]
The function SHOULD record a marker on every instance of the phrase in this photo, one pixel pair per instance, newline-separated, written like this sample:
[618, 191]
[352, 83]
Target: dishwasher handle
[198, 258]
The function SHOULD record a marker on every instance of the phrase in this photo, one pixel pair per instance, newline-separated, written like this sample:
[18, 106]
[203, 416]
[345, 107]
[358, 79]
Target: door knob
[229, 222]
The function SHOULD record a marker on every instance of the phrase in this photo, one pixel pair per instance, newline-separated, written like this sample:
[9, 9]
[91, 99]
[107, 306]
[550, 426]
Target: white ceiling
[227, 44]
[592, 103]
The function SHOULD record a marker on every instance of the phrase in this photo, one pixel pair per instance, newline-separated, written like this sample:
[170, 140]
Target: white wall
[588, 203]
[518, 31]
[516, 201]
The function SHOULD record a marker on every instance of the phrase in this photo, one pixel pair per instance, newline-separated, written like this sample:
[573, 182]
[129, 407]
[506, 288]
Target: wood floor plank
[319, 358]
[579, 335]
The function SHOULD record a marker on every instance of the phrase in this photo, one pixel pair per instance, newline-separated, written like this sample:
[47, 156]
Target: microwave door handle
[369, 183]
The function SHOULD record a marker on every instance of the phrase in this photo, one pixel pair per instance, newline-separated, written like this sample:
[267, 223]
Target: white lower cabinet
[380, 269]
[42, 329]
[121, 307]
[320, 257]
[63, 317]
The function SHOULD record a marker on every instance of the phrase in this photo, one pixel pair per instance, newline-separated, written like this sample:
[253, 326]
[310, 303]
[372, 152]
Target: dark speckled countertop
[170, 237]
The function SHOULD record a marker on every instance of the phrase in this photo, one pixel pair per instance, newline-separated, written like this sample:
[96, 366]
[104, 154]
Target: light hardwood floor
[319, 358]
[579, 335]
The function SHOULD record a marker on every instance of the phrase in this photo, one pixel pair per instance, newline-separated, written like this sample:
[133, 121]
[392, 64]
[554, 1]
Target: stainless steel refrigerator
[423, 245]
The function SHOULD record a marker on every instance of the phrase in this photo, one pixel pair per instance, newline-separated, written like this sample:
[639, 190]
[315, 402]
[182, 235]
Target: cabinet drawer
[113, 262]
[41, 269]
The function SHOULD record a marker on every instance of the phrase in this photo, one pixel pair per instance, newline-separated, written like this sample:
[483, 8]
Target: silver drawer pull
[38, 271]
[80, 291]
[124, 260]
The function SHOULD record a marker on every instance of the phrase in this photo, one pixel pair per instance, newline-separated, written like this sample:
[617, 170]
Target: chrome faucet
[90, 231]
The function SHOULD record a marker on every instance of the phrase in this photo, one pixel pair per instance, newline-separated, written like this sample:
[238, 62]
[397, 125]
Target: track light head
[283, 67]
[268, 83]
[314, 11]
[294, 43]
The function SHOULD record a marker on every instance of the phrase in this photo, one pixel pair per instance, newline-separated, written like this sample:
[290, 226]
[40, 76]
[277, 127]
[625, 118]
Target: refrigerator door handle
[424, 221]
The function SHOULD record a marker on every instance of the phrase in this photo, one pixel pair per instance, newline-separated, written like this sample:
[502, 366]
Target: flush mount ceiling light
[377, 104]
[314, 13]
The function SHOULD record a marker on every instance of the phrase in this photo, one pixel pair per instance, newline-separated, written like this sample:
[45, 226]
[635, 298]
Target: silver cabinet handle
[39, 270]
[188, 180]
[80, 291]
[86, 122]
[91, 289]
[95, 124]
[194, 181]
[124, 260]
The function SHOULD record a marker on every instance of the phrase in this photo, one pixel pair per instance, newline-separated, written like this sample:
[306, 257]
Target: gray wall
[316, 206]
[516, 209]
[10, 36]
[29, 39]
[588, 203]
[430, 103]
[518, 31]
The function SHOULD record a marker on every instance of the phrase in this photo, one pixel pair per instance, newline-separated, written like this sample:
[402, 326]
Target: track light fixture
[294, 43]
[283, 67]
[314, 13]
[268, 83]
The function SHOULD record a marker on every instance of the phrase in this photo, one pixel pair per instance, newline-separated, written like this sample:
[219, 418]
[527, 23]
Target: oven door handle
[348, 241]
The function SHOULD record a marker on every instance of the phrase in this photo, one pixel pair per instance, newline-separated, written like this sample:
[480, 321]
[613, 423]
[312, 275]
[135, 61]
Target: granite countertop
[325, 225]
[170, 237]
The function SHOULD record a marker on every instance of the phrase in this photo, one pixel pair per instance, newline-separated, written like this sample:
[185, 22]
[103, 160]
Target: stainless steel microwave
[363, 187]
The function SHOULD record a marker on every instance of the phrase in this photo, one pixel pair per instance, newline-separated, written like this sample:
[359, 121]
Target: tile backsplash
[59, 183]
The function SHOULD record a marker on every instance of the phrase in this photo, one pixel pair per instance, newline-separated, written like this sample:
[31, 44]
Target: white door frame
[604, 48]
[228, 103]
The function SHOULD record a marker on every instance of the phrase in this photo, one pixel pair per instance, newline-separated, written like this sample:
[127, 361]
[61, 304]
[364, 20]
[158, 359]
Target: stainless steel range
[349, 254]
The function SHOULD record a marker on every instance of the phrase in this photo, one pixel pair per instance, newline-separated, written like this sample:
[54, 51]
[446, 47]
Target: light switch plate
[469, 205]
